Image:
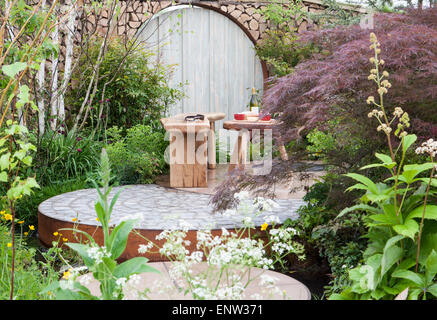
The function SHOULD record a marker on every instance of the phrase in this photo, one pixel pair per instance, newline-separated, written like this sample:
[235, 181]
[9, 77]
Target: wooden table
[212, 118]
[188, 151]
[245, 127]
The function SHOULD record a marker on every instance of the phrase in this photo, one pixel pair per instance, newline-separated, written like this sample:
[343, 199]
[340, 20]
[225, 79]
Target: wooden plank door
[211, 54]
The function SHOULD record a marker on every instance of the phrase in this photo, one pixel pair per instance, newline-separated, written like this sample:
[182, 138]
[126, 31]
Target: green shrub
[27, 207]
[336, 145]
[320, 143]
[63, 157]
[279, 47]
[338, 241]
[401, 255]
[136, 88]
[138, 156]
[29, 278]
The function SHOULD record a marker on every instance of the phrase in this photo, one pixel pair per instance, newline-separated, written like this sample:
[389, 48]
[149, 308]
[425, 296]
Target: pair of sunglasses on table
[195, 117]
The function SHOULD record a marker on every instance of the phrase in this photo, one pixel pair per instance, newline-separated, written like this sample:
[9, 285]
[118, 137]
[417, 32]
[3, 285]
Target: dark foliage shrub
[333, 83]
[332, 86]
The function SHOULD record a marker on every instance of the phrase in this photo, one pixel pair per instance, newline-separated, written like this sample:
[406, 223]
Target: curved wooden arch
[242, 27]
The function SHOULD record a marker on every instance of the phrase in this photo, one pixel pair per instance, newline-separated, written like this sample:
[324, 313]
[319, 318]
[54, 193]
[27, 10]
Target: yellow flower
[74, 219]
[2, 212]
[8, 216]
[97, 219]
[31, 228]
[20, 222]
[67, 274]
[9, 244]
[64, 239]
[55, 233]
[26, 233]
[264, 226]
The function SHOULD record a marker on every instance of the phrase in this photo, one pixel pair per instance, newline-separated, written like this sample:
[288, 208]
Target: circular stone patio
[162, 286]
[158, 208]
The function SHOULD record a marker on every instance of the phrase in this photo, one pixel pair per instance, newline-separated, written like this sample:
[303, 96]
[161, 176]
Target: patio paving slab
[157, 208]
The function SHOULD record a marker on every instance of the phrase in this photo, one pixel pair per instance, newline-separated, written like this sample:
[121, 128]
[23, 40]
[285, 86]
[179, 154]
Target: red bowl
[267, 118]
[239, 116]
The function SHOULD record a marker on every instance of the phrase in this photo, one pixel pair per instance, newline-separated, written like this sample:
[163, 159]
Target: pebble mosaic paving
[158, 208]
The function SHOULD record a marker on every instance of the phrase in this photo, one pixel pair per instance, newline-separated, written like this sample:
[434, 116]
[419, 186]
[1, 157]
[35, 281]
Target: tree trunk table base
[245, 128]
[188, 152]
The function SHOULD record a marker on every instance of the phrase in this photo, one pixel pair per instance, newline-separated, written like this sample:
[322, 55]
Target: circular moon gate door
[211, 54]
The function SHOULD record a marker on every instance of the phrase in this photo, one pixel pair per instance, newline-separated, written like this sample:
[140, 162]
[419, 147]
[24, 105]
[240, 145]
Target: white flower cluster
[248, 209]
[375, 113]
[282, 240]
[241, 251]
[201, 289]
[195, 257]
[223, 251]
[265, 204]
[272, 219]
[98, 253]
[121, 282]
[267, 281]
[174, 245]
[429, 147]
[206, 240]
[143, 248]
[398, 112]
[385, 128]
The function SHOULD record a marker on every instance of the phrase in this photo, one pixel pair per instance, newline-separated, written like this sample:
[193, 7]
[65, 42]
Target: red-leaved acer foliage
[333, 85]
[333, 82]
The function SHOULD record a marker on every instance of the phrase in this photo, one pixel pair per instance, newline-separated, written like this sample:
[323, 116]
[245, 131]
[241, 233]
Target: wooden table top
[212, 116]
[249, 125]
[170, 124]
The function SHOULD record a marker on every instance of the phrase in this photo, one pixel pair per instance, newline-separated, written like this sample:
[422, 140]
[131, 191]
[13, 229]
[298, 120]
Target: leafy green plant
[320, 142]
[332, 245]
[401, 220]
[15, 152]
[102, 260]
[335, 13]
[279, 47]
[29, 278]
[62, 155]
[136, 90]
[138, 156]
[27, 208]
